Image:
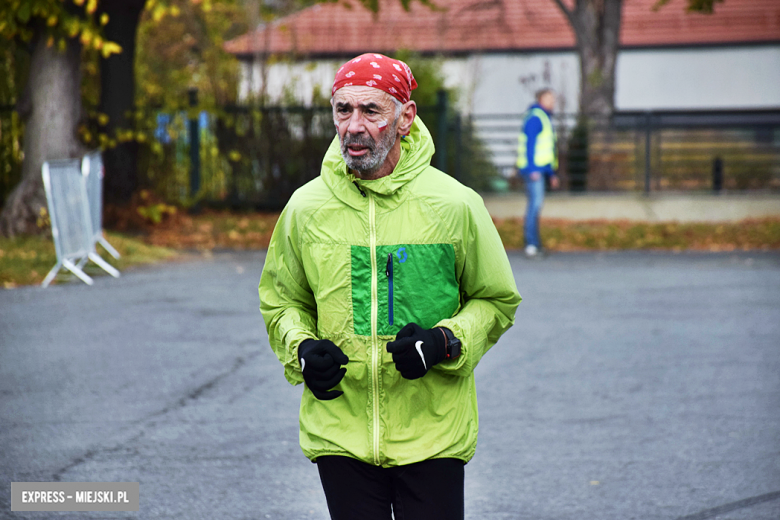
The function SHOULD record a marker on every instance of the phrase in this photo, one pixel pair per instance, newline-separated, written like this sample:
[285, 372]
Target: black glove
[415, 350]
[321, 362]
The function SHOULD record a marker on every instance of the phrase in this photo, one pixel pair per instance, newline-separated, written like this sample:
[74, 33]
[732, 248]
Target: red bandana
[378, 71]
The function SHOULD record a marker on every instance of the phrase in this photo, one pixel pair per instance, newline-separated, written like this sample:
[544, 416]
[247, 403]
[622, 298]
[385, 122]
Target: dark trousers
[427, 490]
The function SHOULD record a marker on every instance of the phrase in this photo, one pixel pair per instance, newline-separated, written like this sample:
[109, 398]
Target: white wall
[506, 83]
[488, 84]
[704, 79]
[653, 79]
[300, 79]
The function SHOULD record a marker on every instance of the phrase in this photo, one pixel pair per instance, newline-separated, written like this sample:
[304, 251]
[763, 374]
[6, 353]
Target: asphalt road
[633, 385]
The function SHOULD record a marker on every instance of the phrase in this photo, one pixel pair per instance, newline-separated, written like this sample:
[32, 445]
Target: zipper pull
[359, 188]
[389, 264]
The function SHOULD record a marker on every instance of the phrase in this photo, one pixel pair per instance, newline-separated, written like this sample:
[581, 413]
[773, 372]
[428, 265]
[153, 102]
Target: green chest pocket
[415, 283]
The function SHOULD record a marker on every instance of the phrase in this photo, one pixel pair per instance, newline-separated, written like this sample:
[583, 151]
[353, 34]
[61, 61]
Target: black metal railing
[250, 156]
[255, 157]
[653, 151]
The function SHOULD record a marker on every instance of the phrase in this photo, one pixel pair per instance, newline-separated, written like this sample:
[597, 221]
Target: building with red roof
[484, 26]
[517, 46]
[499, 52]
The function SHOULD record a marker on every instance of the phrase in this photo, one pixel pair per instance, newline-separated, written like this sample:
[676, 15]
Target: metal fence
[255, 157]
[653, 151]
[237, 156]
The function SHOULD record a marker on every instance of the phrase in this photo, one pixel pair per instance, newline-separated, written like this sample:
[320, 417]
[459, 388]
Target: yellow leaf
[51, 21]
[50, 41]
[158, 12]
[102, 119]
[91, 6]
[110, 48]
[104, 19]
[78, 2]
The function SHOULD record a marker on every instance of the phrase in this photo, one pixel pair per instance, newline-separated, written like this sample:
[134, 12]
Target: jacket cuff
[292, 366]
[461, 365]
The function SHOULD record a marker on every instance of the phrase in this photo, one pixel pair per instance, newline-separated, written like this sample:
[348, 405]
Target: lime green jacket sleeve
[488, 291]
[286, 300]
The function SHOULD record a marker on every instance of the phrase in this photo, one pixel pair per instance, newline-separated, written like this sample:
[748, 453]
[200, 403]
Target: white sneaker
[531, 250]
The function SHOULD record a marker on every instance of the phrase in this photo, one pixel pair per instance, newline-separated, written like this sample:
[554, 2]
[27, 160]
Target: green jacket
[354, 269]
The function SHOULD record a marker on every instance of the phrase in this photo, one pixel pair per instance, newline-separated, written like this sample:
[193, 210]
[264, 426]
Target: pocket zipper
[389, 273]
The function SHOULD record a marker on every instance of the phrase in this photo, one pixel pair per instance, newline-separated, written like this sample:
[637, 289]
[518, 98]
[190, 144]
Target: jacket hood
[417, 148]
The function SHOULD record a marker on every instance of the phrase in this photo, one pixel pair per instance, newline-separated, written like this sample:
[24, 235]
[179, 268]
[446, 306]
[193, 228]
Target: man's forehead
[360, 95]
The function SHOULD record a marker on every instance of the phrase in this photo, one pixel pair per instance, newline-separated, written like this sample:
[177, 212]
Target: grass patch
[26, 260]
[563, 235]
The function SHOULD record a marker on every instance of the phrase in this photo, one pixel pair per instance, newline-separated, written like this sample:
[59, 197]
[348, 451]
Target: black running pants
[427, 490]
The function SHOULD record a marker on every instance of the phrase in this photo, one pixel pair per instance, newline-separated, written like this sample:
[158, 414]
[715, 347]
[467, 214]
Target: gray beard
[377, 151]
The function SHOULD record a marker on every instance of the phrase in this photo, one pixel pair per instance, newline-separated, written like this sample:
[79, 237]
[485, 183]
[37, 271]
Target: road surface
[634, 385]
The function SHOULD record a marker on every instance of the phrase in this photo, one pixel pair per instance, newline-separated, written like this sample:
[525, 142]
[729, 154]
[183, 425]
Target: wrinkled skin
[369, 130]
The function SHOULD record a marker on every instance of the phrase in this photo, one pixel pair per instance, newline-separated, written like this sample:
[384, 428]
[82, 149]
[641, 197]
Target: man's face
[547, 101]
[367, 126]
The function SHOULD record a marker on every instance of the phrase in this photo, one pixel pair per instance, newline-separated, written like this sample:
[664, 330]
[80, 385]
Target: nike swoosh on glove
[321, 362]
[415, 350]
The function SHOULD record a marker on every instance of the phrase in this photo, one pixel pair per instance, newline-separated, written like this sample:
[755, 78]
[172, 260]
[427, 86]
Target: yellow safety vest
[544, 151]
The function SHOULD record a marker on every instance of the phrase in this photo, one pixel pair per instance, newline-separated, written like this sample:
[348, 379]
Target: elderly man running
[384, 284]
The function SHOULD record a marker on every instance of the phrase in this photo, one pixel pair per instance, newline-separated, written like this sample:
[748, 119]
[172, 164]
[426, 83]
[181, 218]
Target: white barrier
[92, 169]
[71, 221]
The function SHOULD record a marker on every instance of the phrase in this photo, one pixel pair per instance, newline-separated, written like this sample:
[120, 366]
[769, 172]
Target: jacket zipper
[389, 273]
[375, 354]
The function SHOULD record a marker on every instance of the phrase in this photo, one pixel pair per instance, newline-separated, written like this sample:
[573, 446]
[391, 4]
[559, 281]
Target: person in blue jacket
[537, 157]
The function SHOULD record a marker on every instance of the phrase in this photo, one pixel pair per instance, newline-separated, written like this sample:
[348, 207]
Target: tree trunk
[117, 98]
[596, 25]
[53, 92]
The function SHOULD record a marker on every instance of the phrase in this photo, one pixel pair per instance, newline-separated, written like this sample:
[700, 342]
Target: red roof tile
[499, 25]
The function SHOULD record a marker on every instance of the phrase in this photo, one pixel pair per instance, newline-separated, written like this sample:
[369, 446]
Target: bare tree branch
[563, 8]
